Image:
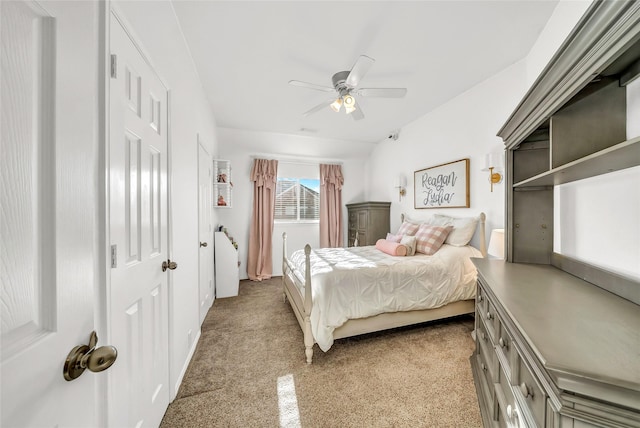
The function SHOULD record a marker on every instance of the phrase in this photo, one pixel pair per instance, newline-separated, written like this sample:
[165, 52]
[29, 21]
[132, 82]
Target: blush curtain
[259, 261]
[331, 181]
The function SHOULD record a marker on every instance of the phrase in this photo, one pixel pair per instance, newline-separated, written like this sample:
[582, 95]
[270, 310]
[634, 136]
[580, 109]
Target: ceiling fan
[345, 83]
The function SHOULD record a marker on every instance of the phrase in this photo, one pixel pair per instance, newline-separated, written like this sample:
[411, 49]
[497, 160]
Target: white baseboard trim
[192, 351]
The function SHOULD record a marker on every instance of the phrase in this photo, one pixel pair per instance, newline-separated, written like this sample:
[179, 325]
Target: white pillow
[416, 221]
[463, 228]
[410, 243]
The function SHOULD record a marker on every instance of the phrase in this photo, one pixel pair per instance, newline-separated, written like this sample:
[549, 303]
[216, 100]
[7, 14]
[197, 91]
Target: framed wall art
[442, 186]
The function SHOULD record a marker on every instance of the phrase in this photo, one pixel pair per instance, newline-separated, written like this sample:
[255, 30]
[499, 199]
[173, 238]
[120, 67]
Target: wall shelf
[222, 184]
[621, 156]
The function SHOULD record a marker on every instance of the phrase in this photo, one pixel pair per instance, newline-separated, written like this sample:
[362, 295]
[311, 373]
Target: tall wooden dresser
[558, 339]
[368, 222]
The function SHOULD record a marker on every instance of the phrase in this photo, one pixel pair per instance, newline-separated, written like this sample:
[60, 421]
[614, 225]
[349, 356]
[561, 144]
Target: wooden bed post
[308, 336]
[483, 238]
[284, 258]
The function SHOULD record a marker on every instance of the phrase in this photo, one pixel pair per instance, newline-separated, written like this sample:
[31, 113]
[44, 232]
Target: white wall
[465, 127]
[156, 27]
[241, 146]
[596, 221]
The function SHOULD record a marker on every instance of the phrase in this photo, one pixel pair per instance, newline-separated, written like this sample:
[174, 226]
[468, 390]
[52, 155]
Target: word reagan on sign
[442, 186]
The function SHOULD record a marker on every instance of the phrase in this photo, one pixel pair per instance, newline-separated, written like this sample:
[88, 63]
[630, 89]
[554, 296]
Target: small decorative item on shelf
[222, 183]
[223, 229]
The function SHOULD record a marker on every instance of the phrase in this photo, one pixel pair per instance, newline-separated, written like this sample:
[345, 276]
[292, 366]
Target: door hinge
[114, 256]
[114, 66]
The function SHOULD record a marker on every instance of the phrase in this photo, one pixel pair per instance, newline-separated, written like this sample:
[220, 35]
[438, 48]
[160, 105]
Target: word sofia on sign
[442, 186]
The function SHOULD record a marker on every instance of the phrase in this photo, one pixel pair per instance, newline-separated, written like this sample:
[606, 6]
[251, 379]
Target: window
[297, 199]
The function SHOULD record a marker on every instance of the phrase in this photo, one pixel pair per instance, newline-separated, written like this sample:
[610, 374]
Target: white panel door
[48, 200]
[205, 230]
[138, 305]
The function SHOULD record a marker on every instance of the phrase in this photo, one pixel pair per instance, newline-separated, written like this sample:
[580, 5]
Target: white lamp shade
[400, 181]
[494, 160]
[336, 105]
[496, 243]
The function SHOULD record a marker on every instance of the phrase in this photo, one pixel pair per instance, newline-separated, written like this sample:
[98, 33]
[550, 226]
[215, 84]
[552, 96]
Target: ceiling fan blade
[357, 114]
[311, 86]
[359, 69]
[319, 107]
[382, 92]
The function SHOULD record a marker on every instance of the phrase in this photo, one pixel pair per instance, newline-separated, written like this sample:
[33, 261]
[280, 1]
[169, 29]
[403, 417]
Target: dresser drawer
[491, 321]
[529, 390]
[484, 377]
[483, 335]
[487, 362]
[353, 220]
[481, 300]
[507, 354]
[508, 414]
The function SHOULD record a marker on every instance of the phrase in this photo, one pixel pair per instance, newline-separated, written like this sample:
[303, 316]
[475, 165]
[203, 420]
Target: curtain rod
[298, 161]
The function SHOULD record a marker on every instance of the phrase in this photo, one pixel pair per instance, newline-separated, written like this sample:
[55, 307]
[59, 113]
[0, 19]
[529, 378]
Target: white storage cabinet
[226, 266]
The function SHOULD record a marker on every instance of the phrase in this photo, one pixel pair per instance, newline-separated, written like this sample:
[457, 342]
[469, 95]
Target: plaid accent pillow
[429, 238]
[408, 229]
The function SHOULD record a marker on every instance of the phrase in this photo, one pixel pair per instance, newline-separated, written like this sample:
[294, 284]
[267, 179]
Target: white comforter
[359, 282]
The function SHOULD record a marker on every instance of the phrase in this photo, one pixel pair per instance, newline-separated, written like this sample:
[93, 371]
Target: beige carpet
[409, 377]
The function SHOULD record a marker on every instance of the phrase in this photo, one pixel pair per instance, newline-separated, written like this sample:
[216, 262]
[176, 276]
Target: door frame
[109, 10]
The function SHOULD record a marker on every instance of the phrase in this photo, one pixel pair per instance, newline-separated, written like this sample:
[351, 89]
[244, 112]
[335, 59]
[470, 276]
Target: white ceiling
[246, 52]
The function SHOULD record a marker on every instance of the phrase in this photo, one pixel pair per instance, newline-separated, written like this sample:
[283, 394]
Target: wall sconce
[496, 243]
[401, 184]
[493, 162]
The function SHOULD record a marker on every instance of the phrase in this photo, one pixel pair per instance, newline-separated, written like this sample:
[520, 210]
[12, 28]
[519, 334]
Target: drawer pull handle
[483, 336]
[479, 297]
[526, 391]
[483, 366]
[489, 316]
[503, 343]
[512, 412]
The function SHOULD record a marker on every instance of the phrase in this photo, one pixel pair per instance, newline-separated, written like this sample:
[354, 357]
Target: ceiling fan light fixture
[345, 82]
[335, 106]
[349, 103]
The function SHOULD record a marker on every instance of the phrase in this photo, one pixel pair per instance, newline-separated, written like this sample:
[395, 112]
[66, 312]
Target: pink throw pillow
[408, 229]
[429, 238]
[393, 238]
[391, 248]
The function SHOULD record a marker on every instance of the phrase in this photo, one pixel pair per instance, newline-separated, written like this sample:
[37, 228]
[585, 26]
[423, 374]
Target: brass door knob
[203, 244]
[84, 357]
[168, 264]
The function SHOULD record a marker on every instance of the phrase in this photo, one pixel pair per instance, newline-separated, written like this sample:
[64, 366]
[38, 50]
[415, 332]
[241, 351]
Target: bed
[343, 292]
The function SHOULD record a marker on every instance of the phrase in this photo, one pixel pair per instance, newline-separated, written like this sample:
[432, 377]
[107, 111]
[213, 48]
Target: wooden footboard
[300, 303]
